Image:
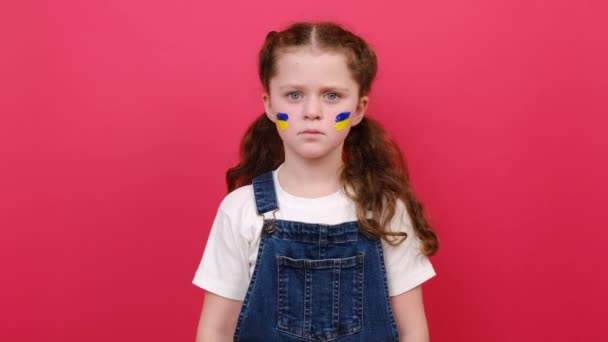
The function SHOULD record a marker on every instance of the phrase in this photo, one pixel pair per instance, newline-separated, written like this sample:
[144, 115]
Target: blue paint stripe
[282, 116]
[342, 116]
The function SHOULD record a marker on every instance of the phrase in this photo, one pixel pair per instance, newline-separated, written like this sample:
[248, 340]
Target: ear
[360, 111]
[269, 112]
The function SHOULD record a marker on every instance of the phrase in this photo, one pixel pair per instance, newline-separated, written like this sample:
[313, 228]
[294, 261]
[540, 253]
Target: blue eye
[332, 96]
[294, 95]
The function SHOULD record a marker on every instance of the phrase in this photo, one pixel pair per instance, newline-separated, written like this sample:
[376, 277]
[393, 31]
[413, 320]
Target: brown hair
[374, 166]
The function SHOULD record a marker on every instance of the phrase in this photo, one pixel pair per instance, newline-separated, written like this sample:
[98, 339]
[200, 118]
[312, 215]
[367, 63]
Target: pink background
[119, 119]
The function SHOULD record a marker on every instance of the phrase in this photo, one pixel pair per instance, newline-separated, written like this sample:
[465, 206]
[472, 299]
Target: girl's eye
[294, 95]
[332, 96]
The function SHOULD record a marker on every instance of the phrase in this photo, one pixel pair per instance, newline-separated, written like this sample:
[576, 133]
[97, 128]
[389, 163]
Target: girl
[321, 237]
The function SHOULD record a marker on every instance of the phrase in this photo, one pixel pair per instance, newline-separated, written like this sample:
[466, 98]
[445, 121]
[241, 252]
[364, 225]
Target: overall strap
[265, 195]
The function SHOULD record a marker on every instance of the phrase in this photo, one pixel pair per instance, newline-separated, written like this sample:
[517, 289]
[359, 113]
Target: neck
[311, 178]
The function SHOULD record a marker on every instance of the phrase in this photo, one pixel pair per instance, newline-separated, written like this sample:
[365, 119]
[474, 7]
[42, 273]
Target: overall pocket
[320, 300]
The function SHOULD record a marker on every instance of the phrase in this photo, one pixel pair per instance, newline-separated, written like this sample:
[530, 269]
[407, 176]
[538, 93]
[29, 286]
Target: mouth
[310, 131]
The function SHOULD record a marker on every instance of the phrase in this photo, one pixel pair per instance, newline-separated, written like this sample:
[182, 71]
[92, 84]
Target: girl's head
[316, 78]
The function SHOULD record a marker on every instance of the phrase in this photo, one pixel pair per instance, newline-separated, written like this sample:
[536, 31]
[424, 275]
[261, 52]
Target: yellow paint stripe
[282, 124]
[342, 124]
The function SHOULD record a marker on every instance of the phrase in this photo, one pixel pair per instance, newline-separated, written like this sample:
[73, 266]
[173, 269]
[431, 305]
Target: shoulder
[239, 211]
[401, 220]
[238, 200]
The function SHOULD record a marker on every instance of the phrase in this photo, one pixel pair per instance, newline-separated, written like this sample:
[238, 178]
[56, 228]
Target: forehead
[312, 67]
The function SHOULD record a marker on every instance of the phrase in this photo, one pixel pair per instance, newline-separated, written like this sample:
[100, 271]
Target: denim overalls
[314, 282]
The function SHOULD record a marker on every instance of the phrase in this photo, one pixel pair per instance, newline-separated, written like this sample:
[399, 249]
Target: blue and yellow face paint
[282, 121]
[342, 120]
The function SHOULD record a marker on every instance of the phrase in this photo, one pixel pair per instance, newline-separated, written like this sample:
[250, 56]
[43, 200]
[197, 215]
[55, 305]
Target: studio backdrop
[118, 120]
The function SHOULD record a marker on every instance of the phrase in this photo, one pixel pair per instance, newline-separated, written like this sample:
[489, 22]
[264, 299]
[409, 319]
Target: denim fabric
[314, 282]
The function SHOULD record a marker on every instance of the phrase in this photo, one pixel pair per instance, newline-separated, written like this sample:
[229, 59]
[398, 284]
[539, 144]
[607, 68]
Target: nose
[313, 109]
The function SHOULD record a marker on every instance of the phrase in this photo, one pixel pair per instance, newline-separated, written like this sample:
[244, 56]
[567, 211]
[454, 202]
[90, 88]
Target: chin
[311, 151]
[313, 154]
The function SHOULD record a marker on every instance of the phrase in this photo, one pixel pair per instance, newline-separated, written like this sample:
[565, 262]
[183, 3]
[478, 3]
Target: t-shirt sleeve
[405, 266]
[224, 268]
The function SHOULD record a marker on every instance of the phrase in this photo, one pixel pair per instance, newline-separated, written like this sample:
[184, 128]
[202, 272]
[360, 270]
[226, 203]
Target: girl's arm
[218, 318]
[408, 310]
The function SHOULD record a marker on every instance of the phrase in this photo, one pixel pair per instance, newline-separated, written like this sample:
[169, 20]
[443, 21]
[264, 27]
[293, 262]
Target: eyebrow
[323, 89]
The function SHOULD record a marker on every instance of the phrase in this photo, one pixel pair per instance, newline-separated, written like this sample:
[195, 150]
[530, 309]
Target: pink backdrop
[119, 119]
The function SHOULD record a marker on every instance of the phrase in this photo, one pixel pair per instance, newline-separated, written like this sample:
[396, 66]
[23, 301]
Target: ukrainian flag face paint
[342, 120]
[282, 121]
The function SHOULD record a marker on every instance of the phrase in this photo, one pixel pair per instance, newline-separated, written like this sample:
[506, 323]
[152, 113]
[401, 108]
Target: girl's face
[314, 101]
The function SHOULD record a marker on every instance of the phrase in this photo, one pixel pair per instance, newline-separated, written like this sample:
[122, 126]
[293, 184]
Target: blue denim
[314, 282]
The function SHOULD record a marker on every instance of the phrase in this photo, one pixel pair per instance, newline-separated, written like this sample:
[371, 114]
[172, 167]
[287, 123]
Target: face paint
[282, 121]
[342, 120]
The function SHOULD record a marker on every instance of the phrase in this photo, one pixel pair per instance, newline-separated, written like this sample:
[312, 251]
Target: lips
[311, 131]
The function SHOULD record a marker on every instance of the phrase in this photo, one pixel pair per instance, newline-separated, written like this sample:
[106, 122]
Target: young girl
[321, 237]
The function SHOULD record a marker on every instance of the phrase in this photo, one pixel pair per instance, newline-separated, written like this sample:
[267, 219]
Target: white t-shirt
[230, 255]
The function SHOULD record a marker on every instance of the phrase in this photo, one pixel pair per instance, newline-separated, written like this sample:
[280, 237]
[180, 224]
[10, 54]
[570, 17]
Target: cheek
[282, 121]
[342, 121]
